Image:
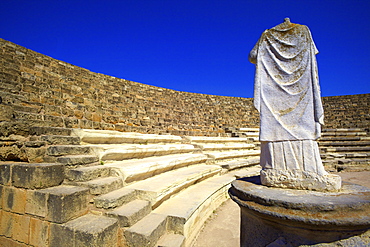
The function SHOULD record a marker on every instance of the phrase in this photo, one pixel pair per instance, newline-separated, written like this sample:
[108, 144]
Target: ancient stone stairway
[100, 188]
[340, 148]
[345, 148]
[109, 188]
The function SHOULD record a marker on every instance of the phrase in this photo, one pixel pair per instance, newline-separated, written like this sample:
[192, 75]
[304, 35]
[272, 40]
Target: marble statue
[287, 96]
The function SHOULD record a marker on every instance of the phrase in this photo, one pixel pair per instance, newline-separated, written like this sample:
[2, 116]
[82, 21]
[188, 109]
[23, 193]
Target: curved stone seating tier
[133, 170]
[121, 152]
[251, 133]
[340, 148]
[114, 137]
[226, 146]
[204, 139]
[156, 189]
[345, 148]
[233, 154]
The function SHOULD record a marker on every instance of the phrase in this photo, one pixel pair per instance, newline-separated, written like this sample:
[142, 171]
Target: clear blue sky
[196, 46]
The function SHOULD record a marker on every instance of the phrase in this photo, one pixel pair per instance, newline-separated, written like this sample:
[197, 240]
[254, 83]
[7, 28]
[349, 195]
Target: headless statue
[287, 96]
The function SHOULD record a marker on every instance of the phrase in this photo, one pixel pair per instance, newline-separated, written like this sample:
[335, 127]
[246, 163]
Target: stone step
[76, 160]
[205, 139]
[344, 144]
[226, 146]
[159, 188]
[357, 155]
[138, 169]
[246, 172]
[171, 240]
[232, 154]
[353, 167]
[100, 186]
[249, 134]
[355, 161]
[147, 231]
[130, 213]
[343, 130]
[116, 137]
[343, 139]
[88, 230]
[336, 133]
[249, 129]
[62, 150]
[82, 174]
[129, 151]
[232, 129]
[188, 210]
[58, 204]
[60, 140]
[32, 175]
[252, 138]
[237, 164]
[345, 149]
[343, 155]
[39, 131]
[115, 198]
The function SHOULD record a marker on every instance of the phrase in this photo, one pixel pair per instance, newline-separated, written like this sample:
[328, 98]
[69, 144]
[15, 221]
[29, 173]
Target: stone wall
[44, 91]
[349, 111]
[37, 90]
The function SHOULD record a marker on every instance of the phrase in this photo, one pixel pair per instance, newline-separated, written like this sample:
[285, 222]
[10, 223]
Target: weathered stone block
[61, 140]
[88, 230]
[50, 131]
[87, 173]
[61, 236]
[36, 176]
[297, 179]
[77, 159]
[115, 198]
[32, 154]
[36, 203]
[5, 174]
[14, 199]
[39, 233]
[68, 150]
[6, 112]
[6, 223]
[131, 212]
[1, 196]
[8, 242]
[147, 231]
[10, 153]
[21, 226]
[66, 202]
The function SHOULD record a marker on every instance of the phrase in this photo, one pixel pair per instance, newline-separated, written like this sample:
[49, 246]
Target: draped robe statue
[287, 96]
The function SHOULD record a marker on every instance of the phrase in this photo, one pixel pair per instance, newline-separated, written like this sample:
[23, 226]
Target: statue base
[302, 180]
[287, 217]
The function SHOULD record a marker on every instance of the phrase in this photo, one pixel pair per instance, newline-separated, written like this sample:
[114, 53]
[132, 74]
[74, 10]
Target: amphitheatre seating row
[153, 189]
[150, 190]
[340, 148]
[345, 148]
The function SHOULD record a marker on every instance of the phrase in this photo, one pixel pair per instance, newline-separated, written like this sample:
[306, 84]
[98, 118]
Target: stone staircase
[110, 188]
[252, 133]
[345, 149]
[340, 148]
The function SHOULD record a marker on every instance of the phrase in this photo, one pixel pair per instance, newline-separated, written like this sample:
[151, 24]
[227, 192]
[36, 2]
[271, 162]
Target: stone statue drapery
[287, 96]
[287, 92]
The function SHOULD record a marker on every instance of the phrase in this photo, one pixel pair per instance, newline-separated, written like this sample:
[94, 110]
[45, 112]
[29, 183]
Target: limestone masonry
[92, 160]
[37, 90]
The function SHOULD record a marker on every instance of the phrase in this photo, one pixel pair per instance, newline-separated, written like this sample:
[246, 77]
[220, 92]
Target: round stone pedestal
[288, 217]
